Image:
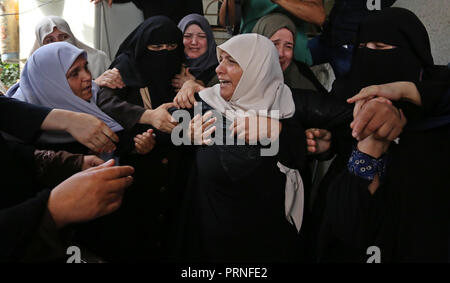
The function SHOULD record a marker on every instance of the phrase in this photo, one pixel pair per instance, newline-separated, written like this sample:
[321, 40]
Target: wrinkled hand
[89, 194]
[160, 118]
[378, 117]
[92, 132]
[98, 1]
[255, 128]
[200, 129]
[318, 140]
[179, 80]
[90, 161]
[145, 142]
[392, 91]
[110, 78]
[185, 97]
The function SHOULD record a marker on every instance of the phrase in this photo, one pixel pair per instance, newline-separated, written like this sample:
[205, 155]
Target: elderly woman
[199, 50]
[57, 76]
[241, 205]
[55, 29]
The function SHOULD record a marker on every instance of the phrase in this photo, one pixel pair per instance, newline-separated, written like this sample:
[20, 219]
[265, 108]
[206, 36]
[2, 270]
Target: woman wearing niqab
[407, 218]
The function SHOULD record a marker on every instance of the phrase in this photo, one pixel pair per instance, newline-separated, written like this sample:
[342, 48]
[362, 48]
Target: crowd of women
[218, 198]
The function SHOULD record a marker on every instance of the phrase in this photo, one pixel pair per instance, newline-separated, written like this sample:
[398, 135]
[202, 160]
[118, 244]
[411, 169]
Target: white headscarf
[98, 60]
[261, 87]
[43, 82]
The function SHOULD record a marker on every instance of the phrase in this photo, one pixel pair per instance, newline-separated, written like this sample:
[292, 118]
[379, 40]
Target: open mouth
[224, 83]
[88, 88]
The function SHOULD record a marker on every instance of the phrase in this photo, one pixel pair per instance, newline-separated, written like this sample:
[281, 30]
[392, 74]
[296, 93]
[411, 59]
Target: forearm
[54, 167]
[58, 120]
[15, 110]
[223, 12]
[311, 11]
[410, 93]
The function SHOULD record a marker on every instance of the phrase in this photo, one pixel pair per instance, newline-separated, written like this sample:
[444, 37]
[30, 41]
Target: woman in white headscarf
[55, 29]
[242, 205]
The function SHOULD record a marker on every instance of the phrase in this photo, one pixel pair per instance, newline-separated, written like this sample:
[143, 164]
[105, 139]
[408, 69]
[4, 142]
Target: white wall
[80, 14]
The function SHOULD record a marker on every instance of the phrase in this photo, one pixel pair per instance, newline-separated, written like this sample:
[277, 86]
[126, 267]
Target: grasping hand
[199, 131]
[90, 161]
[160, 118]
[145, 142]
[378, 117]
[318, 140]
[110, 78]
[392, 91]
[186, 96]
[255, 128]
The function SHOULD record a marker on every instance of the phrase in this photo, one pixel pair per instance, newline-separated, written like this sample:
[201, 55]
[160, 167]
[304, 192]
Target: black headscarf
[407, 62]
[141, 67]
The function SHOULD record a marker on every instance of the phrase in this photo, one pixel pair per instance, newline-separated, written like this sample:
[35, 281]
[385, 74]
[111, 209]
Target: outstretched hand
[89, 194]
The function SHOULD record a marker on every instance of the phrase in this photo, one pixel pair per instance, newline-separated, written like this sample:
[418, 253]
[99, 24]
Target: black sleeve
[113, 103]
[351, 219]
[194, 6]
[53, 167]
[292, 145]
[20, 119]
[19, 224]
[317, 110]
[306, 71]
[435, 97]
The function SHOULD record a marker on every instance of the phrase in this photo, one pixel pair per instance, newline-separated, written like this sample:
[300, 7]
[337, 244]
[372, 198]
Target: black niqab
[141, 67]
[406, 62]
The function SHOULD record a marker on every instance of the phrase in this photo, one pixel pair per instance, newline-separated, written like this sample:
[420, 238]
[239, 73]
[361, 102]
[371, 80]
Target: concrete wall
[435, 15]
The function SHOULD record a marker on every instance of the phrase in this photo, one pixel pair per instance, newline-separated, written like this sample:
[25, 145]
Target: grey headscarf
[207, 60]
[268, 26]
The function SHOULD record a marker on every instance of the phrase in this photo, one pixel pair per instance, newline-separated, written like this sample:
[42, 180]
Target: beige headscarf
[261, 87]
[98, 61]
[268, 26]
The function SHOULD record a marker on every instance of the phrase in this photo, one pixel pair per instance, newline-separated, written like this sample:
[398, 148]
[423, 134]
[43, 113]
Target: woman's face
[229, 73]
[195, 41]
[80, 79]
[284, 42]
[55, 36]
